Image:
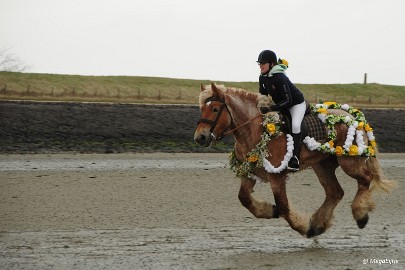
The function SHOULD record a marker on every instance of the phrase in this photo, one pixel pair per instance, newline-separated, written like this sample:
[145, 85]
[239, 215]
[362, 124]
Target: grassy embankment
[52, 87]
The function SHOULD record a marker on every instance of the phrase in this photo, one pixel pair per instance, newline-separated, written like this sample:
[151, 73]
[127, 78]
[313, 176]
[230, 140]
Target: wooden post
[365, 78]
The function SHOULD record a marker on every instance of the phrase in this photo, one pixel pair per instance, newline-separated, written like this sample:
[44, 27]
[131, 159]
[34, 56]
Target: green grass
[53, 87]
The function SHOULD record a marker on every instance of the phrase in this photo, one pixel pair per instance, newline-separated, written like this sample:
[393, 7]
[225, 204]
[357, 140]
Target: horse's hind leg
[362, 203]
[322, 218]
[258, 209]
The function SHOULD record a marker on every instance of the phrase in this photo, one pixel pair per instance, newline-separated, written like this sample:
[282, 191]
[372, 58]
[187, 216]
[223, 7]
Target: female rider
[287, 98]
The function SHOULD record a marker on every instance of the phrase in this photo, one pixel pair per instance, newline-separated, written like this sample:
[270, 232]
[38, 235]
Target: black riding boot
[294, 164]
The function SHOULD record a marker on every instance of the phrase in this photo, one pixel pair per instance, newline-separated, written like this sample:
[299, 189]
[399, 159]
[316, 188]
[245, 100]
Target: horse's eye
[215, 109]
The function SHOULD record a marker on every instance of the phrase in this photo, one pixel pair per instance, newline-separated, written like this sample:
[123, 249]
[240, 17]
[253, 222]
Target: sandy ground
[178, 211]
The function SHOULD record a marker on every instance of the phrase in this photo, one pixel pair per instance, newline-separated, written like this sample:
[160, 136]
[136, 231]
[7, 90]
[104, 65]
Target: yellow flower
[371, 151]
[373, 143]
[339, 150]
[368, 128]
[284, 62]
[353, 150]
[322, 110]
[331, 143]
[271, 128]
[329, 103]
[253, 158]
[360, 126]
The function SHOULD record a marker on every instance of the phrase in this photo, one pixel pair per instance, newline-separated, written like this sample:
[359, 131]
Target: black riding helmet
[267, 56]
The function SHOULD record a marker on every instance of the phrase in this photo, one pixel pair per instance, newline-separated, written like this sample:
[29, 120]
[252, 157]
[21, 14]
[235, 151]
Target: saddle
[311, 125]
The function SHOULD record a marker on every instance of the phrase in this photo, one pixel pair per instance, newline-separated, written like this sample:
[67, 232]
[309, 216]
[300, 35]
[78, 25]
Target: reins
[238, 127]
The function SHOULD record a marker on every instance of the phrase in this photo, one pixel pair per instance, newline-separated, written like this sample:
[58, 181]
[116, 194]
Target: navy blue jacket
[282, 91]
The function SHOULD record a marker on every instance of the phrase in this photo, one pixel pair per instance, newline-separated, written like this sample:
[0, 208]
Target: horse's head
[215, 116]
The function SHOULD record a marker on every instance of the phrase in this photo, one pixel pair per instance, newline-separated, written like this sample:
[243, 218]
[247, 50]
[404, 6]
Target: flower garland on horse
[358, 126]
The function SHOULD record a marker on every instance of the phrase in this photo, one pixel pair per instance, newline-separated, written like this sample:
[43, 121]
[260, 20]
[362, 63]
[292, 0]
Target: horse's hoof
[362, 222]
[313, 231]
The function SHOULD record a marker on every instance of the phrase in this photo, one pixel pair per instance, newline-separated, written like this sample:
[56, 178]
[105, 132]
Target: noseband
[214, 122]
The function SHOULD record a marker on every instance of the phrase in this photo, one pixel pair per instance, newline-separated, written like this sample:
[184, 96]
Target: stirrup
[294, 165]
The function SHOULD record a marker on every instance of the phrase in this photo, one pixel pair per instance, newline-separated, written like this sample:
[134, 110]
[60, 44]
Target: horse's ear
[215, 90]
[202, 87]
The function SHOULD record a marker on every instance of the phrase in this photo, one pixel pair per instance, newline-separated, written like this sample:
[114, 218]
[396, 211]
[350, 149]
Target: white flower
[270, 168]
[322, 117]
[345, 107]
[360, 139]
[347, 119]
[370, 136]
[311, 143]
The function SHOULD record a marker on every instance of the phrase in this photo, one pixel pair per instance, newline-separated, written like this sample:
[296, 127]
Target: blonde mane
[231, 91]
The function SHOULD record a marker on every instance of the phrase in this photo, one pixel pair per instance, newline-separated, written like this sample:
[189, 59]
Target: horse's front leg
[258, 209]
[294, 219]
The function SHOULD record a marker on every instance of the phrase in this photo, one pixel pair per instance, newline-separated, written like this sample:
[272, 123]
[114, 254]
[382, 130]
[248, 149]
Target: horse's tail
[379, 182]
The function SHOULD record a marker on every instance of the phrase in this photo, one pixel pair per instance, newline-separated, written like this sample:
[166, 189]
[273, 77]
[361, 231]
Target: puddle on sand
[196, 248]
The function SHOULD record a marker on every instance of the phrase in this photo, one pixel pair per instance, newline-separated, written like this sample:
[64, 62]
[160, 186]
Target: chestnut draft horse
[228, 110]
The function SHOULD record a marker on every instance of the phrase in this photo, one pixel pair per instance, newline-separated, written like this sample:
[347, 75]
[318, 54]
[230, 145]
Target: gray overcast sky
[325, 41]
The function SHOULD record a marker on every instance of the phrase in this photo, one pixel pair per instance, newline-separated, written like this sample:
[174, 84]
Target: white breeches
[297, 115]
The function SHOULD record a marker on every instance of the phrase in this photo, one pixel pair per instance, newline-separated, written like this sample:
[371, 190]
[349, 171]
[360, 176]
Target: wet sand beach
[178, 211]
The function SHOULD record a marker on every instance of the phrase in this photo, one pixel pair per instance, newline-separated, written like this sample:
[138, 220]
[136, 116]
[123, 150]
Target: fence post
[365, 78]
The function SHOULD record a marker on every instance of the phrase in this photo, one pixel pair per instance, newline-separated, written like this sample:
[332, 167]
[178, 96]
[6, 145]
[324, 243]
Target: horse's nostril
[201, 139]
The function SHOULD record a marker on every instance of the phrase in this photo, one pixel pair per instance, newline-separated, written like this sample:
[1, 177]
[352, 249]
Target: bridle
[214, 122]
